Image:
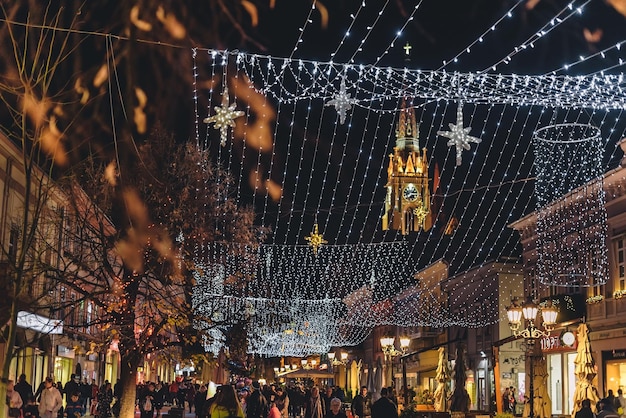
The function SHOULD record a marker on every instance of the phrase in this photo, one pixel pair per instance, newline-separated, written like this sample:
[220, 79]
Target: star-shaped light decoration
[316, 240]
[420, 213]
[459, 136]
[342, 101]
[224, 117]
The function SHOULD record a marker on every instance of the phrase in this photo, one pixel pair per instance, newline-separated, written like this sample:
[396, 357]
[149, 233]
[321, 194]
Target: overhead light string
[541, 33]
[582, 59]
[348, 32]
[398, 34]
[480, 39]
[369, 29]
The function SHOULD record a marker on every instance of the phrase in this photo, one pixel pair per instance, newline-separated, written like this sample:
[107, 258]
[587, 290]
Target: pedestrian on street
[72, 387]
[585, 410]
[74, 407]
[51, 401]
[605, 410]
[105, 397]
[314, 407]
[14, 401]
[85, 394]
[361, 406]
[282, 401]
[159, 398]
[335, 409]
[31, 409]
[273, 412]
[24, 388]
[226, 404]
[199, 400]
[146, 401]
[257, 406]
[622, 403]
[384, 407]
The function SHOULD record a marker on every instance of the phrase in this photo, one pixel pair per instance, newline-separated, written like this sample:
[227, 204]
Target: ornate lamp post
[389, 350]
[527, 312]
[342, 360]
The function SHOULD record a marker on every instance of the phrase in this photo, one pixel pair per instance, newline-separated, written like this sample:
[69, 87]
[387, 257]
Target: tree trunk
[128, 380]
[9, 353]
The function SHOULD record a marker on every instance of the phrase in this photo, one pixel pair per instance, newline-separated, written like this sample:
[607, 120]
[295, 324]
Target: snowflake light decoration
[342, 101]
[459, 136]
[224, 117]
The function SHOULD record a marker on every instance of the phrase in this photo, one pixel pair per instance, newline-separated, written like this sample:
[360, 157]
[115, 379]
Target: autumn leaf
[135, 20]
[171, 24]
[619, 6]
[252, 11]
[323, 14]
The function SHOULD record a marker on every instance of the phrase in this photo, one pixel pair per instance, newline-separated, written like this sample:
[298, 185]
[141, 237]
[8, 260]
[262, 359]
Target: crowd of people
[250, 399]
[610, 406]
[244, 399]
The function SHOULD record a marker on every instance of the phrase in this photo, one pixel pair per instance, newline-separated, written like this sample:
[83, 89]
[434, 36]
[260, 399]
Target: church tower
[407, 205]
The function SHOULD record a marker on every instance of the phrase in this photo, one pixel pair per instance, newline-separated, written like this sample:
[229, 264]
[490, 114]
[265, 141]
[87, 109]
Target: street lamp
[308, 365]
[334, 361]
[389, 350]
[342, 360]
[528, 312]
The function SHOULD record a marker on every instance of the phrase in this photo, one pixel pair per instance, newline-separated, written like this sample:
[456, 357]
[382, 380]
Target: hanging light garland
[571, 214]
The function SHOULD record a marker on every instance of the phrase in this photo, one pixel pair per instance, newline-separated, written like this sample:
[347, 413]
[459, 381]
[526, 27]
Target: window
[89, 314]
[13, 242]
[620, 262]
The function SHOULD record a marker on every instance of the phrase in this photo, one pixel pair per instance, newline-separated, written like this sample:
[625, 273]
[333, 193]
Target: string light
[495, 181]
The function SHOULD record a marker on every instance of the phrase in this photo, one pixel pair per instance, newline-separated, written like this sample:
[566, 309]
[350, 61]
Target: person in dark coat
[160, 395]
[31, 409]
[257, 406]
[199, 401]
[146, 401]
[327, 396]
[72, 387]
[585, 411]
[74, 407]
[24, 388]
[384, 407]
[314, 407]
[361, 404]
[335, 409]
[605, 410]
[105, 397]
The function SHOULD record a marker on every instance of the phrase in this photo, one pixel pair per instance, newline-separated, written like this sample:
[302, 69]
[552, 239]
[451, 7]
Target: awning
[304, 373]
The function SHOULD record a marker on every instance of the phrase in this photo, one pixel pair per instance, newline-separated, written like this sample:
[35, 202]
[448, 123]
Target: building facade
[55, 339]
[601, 306]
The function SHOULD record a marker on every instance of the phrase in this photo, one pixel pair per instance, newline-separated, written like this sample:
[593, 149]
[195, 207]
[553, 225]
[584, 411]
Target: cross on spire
[407, 49]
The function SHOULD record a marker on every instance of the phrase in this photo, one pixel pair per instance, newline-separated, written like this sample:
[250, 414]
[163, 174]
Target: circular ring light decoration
[571, 213]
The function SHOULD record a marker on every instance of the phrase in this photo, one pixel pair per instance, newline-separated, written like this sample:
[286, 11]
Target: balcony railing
[607, 309]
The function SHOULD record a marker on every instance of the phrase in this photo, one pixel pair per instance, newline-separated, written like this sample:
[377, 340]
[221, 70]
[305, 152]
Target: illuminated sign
[559, 342]
[39, 323]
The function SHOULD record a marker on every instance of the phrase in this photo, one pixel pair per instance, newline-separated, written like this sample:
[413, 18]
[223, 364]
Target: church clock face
[410, 193]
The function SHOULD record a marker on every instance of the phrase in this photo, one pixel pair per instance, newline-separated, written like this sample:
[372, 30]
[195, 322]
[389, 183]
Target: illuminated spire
[407, 130]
